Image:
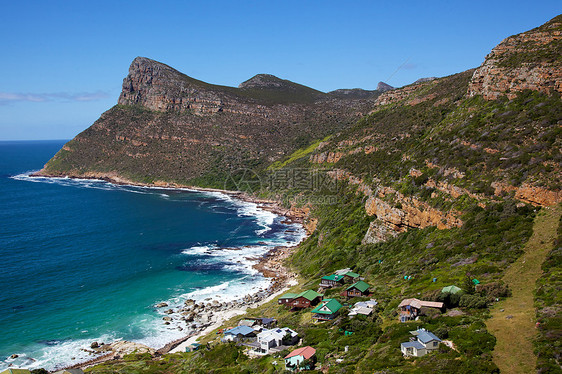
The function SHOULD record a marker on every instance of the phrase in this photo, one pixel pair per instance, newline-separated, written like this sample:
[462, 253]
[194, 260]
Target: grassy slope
[513, 319]
[548, 302]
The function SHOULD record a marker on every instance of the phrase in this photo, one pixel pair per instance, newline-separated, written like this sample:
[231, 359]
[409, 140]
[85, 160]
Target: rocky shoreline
[202, 317]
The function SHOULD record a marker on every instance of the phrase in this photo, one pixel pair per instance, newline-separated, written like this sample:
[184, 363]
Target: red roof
[307, 352]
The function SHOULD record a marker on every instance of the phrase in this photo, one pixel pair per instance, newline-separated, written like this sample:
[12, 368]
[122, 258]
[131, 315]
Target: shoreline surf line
[281, 280]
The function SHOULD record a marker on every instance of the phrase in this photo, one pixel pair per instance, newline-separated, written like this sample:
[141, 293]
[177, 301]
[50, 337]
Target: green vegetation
[430, 150]
[548, 301]
[298, 154]
[513, 352]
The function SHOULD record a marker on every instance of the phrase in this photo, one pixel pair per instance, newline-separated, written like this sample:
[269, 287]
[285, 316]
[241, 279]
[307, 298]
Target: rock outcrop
[395, 213]
[530, 60]
[404, 213]
[159, 87]
[383, 87]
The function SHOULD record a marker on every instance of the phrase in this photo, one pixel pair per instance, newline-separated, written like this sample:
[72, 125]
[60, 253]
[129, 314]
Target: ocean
[86, 260]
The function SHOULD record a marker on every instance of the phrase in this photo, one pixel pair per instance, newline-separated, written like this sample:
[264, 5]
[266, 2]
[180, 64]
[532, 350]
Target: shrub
[472, 301]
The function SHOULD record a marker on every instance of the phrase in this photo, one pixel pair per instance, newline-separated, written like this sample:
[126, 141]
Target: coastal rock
[169, 311]
[124, 347]
[94, 345]
[162, 305]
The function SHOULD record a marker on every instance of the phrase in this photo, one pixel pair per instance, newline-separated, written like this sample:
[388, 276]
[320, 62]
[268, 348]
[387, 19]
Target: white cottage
[269, 341]
[425, 342]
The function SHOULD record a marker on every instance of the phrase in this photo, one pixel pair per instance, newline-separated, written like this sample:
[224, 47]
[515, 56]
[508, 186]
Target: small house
[295, 359]
[239, 333]
[348, 275]
[357, 289]
[360, 310]
[306, 299]
[275, 340]
[333, 280]
[363, 307]
[423, 343]
[410, 308]
[327, 310]
[286, 298]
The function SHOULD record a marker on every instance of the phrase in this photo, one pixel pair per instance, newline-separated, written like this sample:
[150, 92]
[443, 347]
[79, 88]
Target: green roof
[309, 295]
[451, 289]
[331, 304]
[352, 274]
[288, 296]
[361, 286]
[333, 277]
[15, 371]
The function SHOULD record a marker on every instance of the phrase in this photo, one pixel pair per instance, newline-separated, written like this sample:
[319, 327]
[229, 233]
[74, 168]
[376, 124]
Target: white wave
[56, 355]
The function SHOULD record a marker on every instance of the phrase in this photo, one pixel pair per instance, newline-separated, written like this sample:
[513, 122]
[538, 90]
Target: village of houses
[261, 336]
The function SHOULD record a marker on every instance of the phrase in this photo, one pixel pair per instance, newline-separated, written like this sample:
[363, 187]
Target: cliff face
[530, 60]
[170, 127]
[158, 87]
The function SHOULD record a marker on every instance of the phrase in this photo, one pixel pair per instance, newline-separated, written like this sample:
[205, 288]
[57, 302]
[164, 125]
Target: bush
[494, 290]
[473, 301]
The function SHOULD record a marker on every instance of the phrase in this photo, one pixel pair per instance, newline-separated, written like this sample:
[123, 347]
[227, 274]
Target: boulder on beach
[124, 347]
[161, 305]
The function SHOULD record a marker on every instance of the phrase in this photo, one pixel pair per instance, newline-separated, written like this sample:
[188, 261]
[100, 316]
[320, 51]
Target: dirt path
[514, 327]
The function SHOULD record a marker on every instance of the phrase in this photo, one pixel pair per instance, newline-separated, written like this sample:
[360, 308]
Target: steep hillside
[416, 188]
[170, 127]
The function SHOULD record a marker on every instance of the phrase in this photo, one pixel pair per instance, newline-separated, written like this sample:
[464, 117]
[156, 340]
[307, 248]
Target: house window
[435, 344]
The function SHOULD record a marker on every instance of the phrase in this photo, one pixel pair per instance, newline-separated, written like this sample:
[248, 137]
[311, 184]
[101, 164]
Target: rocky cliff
[170, 127]
[530, 60]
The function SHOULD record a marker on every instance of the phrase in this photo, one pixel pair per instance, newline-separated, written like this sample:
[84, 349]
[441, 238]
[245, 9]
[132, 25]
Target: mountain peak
[382, 87]
[264, 81]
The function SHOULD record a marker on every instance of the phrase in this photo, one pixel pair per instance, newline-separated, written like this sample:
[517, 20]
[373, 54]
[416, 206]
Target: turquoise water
[86, 260]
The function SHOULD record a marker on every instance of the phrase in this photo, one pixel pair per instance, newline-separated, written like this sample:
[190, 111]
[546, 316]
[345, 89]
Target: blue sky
[63, 61]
